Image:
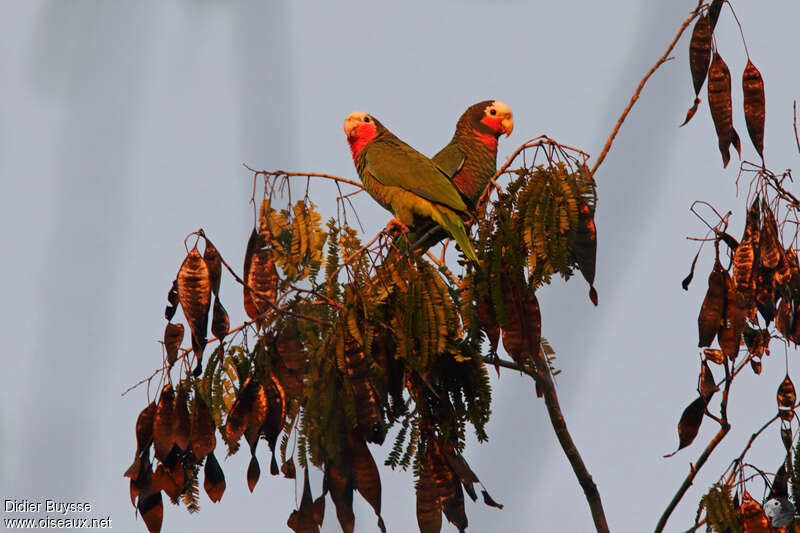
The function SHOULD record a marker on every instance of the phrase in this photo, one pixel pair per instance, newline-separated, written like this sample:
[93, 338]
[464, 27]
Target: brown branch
[725, 427]
[794, 124]
[279, 173]
[542, 377]
[664, 58]
[693, 470]
[443, 268]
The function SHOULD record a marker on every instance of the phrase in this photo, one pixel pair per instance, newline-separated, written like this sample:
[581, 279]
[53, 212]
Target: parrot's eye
[366, 119]
[492, 112]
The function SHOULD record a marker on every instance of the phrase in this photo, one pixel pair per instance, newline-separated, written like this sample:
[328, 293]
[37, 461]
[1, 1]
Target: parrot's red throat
[488, 139]
[360, 137]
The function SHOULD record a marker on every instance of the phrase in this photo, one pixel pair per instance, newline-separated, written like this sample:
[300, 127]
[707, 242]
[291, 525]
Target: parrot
[470, 159]
[404, 181]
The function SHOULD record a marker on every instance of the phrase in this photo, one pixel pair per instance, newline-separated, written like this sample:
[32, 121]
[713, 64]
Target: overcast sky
[124, 126]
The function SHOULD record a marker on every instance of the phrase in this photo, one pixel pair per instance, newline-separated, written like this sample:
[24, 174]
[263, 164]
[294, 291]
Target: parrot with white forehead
[404, 181]
[470, 159]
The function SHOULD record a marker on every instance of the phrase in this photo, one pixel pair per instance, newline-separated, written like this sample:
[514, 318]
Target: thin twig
[794, 124]
[664, 58]
[278, 173]
[443, 268]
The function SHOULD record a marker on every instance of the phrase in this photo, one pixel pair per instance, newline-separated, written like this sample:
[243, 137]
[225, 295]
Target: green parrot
[404, 181]
[470, 159]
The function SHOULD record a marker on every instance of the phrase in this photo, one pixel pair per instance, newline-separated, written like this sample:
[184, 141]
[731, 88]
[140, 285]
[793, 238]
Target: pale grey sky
[123, 127]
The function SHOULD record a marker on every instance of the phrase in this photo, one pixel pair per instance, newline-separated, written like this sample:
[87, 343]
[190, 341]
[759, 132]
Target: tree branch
[664, 58]
[542, 377]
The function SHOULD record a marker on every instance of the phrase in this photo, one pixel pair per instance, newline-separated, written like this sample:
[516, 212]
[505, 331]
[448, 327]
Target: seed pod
[713, 13]
[711, 312]
[699, 57]
[214, 262]
[220, 323]
[689, 424]
[754, 111]
[182, 423]
[585, 247]
[144, 427]
[744, 259]
[164, 424]
[172, 298]
[194, 294]
[755, 364]
[260, 275]
[151, 507]
[341, 490]
[368, 413]
[202, 432]
[365, 474]
[706, 387]
[769, 242]
[214, 483]
[753, 517]
[253, 473]
[429, 507]
[730, 333]
[173, 337]
[719, 100]
[488, 320]
[786, 393]
[784, 320]
[713, 355]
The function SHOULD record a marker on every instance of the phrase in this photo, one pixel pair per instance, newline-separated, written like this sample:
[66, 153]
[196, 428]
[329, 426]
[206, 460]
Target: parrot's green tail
[455, 227]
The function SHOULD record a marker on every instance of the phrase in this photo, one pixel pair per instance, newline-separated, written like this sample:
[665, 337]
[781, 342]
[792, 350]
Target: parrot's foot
[397, 224]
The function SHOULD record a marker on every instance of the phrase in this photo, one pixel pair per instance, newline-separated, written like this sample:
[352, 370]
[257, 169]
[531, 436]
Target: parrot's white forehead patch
[499, 107]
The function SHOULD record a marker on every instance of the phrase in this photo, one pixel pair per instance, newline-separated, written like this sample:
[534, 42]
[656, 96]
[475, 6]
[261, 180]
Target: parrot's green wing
[395, 164]
[450, 159]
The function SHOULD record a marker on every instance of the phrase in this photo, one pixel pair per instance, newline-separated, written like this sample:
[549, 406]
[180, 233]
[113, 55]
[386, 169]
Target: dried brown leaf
[164, 424]
[214, 262]
[711, 313]
[182, 423]
[194, 294]
[151, 507]
[689, 424]
[260, 276]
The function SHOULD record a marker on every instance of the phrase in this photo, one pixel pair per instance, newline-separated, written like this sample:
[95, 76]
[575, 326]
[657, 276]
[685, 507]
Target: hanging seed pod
[214, 483]
[144, 427]
[713, 355]
[368, 413]
[276, 411]
[711, 312]
[341, 491]
[194, 294]
[689, 424]
[429, 507]
[786, 438]
[151, 507]
[220, 323]
[164, 424]
[214, 262]
[713, 13]
[249, 410]
[753, 517]
[784, 319]
[719, 100]
[366, 477]
[202, 432]
[699, 58]
[786, 393]
[173, 337]
[707, 386]
[744, 259]
[730, 333]
[260, 275]
[753, 89]
[488, 320]
[253, 473]
[755, 364]
[182, 423]
[585, 246]
[769, 242]
[172, 298]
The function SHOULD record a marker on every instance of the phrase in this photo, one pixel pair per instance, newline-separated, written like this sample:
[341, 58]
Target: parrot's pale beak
[508, 125]
[350, 124]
